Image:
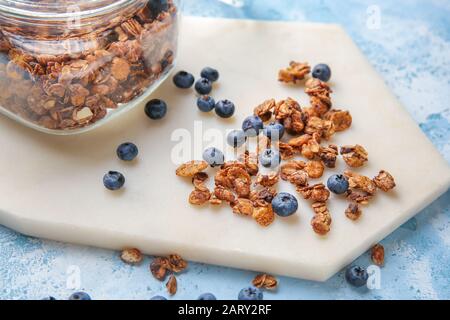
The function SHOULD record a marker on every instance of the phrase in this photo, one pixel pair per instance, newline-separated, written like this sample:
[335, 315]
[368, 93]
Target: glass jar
[67, 66]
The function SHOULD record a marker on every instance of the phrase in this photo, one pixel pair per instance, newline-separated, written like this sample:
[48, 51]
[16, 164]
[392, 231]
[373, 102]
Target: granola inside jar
[66, 66]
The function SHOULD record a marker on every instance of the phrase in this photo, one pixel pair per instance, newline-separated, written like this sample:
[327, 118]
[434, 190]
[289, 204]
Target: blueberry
[158, 298]
[206, 103]
[337, 184]
[250, 293]
[79, 296]
[214, 157]
[156, 109]
[210, 74]
[127, 151]
[274, 131]
[322, 72]
[356, 276]
[236, 138]
[203, 86]
[225, 108]
[270, 158]
[252, 125]
[157, 6]
[49, 298]
[284, 204]
[183, 80]
[207, 296]
[113, 180]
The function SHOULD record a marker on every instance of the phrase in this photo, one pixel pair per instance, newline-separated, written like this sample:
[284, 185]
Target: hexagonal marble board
[51, 186]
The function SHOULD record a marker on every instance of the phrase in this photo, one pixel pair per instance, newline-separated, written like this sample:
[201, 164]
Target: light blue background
[412, 52]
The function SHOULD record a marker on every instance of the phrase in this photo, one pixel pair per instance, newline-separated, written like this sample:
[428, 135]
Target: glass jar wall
[68, 66]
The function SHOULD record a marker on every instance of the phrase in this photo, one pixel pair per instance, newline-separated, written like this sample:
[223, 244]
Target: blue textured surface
[411, 51]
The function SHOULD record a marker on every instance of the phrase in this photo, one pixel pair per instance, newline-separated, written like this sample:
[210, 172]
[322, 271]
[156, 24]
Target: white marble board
[51, 186]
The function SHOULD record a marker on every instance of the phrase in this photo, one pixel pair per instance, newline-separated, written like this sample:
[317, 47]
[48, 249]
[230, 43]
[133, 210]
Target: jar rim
[24, 9]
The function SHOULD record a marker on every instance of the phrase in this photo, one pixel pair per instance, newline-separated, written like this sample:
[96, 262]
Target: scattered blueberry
[156, 109]
[183, 80]
[236, 138]
[206, 103]
[158, 298]
[322, 72]
[49, 298]
[252, 125]
[203, 86]
[250, 293]
[274, 131]
[284, 204]
[127, 151]
[207, 296]
[157, 6]
[214, 157]
[338, 184]
[270, 158]
[356, 276]
[225, 108]
[79, 296]
[113, 180]
[210, 74]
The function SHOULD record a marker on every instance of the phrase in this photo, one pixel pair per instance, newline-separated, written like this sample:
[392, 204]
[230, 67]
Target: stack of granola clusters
[310, 129]
[71, 81]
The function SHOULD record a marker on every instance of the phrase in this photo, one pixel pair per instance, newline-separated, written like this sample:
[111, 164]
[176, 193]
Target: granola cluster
[295, 72]
[265, 281]
[320, 97]
[191, 168]
[69, 81]
[163, 266]
[201, 194]
[172, 285]
[353, 211]
[293, 172]
[131, 256]
[298, 172]
[377, 255]
[264, 110]
[319, 195]
[342, 120]
[355, 156]
[384, 181]
[316, 193]
[321, 221]
[194, 169]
